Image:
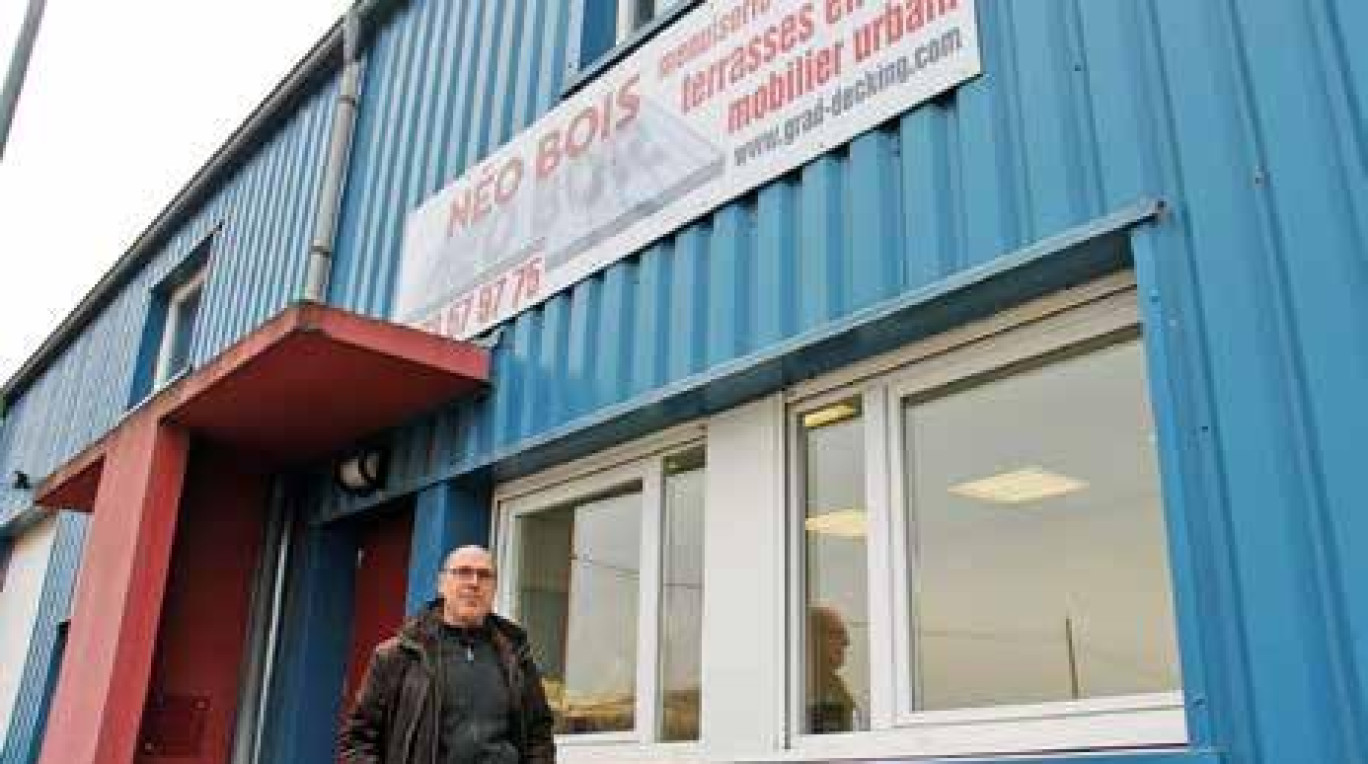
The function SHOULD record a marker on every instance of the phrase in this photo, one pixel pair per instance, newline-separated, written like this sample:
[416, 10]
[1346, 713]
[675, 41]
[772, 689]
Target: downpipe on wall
[335, 171]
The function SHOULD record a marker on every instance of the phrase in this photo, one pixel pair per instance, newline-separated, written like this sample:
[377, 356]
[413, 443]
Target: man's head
[466, 583]
[829, 637]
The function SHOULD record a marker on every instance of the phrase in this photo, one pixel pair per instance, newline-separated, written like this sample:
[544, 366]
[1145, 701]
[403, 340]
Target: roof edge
[322, 60]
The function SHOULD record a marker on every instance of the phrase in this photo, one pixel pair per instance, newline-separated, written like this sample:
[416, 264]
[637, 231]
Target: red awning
[308, 383]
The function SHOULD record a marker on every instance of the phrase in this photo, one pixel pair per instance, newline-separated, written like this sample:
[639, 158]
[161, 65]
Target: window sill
[1107, 732]
[1106, 756]
[1090, 731]
[626, 47]
[572, 751]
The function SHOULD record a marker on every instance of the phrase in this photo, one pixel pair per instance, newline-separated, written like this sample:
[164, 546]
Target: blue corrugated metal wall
[1247, 116]
[445, 85]
[265, 213]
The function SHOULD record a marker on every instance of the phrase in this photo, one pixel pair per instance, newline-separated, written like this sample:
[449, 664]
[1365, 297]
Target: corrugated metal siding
[1247, 117]
[446, 84]
[974, 175]
[266, 216]
[971, 176]
[1267, 135]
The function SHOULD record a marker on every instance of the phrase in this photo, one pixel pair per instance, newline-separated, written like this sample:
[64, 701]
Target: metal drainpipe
[335, 172]
[267, 608]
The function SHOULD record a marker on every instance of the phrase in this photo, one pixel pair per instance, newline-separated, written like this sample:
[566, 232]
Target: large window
[579, 578]
[609, 584]
[1038, 568]
[956, 549]
[981, 534]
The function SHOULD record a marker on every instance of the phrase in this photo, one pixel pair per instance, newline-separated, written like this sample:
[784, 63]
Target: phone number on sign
[506, 295]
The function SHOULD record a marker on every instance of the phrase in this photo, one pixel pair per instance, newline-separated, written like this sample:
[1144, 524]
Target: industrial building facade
[832, 380]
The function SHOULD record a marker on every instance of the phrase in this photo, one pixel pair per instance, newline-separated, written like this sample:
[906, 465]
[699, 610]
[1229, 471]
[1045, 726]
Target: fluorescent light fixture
[832, 414]
[846, 523]
[1019, 486]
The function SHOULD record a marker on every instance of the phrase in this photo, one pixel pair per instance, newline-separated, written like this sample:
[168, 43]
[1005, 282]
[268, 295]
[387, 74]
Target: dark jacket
[395, 717]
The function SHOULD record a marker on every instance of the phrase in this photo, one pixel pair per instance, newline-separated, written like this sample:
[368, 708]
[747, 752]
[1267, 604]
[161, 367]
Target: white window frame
[796, 627]
[643, 463]
[172, 327]
[1094, 311]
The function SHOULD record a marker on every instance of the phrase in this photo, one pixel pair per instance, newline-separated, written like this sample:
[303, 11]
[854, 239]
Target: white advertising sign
[731, 95]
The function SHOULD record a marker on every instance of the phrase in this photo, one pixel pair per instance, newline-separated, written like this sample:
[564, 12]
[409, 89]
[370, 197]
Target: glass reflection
[1040, 570]
[682, 614]
[578, 585]
[836, 595]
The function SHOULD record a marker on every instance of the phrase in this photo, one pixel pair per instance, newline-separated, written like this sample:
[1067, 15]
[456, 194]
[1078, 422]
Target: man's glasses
[463, 573]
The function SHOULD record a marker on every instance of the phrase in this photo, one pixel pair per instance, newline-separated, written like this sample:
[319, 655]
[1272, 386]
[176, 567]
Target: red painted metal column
[98, 705]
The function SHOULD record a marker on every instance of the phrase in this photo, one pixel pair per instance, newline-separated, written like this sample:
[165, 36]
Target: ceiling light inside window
[1019, 486]
[845, 523]
[837, 412]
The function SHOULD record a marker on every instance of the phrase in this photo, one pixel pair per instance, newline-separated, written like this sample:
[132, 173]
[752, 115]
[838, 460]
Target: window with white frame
[183, 299]
[836, 592]
[984, 519]
[608, 581]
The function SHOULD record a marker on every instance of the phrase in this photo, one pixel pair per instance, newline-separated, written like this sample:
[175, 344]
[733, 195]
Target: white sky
[124, 101]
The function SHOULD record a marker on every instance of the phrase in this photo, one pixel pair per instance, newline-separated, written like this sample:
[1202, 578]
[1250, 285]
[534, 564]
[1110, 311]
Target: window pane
[837, 640]
[1040, 568]
[577, 595]
[184, 313]
[682, 623]
[646, 10]
[635, 14]
[178, 336]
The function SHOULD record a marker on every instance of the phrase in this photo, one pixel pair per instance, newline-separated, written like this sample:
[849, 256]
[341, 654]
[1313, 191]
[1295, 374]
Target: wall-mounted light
[364, 472]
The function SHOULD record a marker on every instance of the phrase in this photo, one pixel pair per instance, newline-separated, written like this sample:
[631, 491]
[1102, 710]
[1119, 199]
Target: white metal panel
[743, 575]
[23, 585]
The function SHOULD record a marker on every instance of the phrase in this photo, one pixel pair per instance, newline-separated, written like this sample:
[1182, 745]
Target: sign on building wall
[728, 97]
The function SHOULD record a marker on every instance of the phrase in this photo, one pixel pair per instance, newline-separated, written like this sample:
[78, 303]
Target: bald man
[456, 684]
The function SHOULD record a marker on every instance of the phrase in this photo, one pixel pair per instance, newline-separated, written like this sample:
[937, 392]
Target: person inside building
[830, 707]
[475, 666]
